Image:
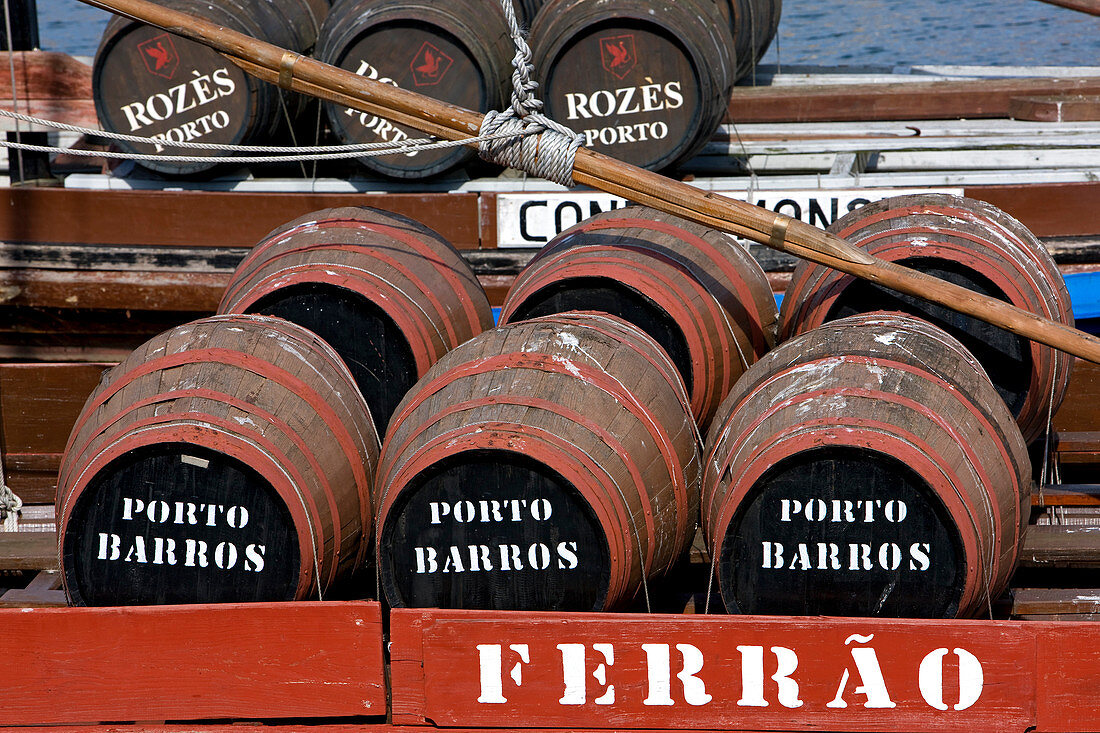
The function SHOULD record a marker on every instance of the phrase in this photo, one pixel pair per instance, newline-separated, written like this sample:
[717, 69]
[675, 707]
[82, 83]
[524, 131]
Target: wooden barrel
[546, 465]
[966, 242]
[458, 52]
[645, 81]
[388, 293]
[228, 459]
[695, 290]
[150, 83]
[526, 10]
[754, 25]
[866, 468]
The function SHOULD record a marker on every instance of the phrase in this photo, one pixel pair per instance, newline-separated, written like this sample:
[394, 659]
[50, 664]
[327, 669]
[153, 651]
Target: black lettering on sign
[817, 214]
[524, 229]
[842, 531]
[560, 224]
[180, 524]
[493, 529]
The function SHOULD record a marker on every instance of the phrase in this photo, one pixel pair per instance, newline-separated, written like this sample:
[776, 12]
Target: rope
[14, 95]
[305, 153]
[529, 140]
[1048, 436]
[10, 504]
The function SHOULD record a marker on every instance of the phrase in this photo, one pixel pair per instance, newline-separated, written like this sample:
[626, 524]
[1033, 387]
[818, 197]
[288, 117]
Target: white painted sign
[533, 219]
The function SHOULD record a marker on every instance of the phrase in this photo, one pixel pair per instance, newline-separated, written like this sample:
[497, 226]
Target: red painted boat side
[230, 661]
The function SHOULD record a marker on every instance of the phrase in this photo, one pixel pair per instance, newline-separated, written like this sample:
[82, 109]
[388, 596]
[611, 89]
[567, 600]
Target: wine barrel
[388, 293]
[697, 292]
[459, 52]
[753, 25]
[151, 83]
[865, 468]
[545, 465]
[963, 241]
[526, 10]
[228, 459]
[645, 81]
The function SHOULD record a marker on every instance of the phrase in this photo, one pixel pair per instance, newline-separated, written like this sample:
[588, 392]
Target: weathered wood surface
[38, 406]
[50, 85]
[898, 101]
[43, 591]
[1061, 546]
[479, 669]
[1060, 601]
[1056, 108]
[45, 75]
[231, 661]
[28, 551]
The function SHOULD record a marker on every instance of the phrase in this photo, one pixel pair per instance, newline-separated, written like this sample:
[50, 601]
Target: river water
[812, 32]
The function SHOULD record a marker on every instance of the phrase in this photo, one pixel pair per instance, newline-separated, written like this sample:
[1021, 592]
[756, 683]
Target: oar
[1092, 7]
[302, 74]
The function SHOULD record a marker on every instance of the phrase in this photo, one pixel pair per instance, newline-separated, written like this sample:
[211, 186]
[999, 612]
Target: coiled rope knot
[10, 504]
[533, 142]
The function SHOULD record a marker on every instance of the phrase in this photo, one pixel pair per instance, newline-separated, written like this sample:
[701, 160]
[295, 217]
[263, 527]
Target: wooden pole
[1092, 7]
[309, 76]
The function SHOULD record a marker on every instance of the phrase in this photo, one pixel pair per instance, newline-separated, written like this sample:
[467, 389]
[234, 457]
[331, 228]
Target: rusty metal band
[286, 69]
[779, 231]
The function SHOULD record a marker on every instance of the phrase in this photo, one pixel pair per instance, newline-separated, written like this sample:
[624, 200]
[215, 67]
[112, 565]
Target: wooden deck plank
[1061, 546]
[898, 101]
[28, 551]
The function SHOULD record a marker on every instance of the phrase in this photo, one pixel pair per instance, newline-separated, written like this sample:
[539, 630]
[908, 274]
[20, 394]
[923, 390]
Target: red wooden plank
[1068, 667]
[76, 665]
[45, 75]
[558, 670]
[278, 726]
[407, 669]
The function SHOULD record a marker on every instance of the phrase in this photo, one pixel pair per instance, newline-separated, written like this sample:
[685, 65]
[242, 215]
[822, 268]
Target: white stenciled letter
[574, 674]
[971, 679]
[491, 663]
[695, 692]
[659, 666]
[752, 677]
[870, 674]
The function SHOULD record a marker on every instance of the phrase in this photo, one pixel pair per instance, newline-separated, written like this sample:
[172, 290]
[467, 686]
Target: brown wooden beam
[1092, 7]
[933, 100]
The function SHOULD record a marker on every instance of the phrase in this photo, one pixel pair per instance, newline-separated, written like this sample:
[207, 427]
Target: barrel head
[1005, 356]
[630, 89]
[492, 529]
[609, 296]
[368, 341]
[179, 523]
[154, 84]
[420, 57]
[842, 531]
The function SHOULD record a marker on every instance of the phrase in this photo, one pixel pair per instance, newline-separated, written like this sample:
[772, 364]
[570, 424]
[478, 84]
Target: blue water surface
[811, 32]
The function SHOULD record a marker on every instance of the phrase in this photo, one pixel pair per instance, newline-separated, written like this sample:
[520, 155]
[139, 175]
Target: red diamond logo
[617, 54]
[429, 65]
[159, 55]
